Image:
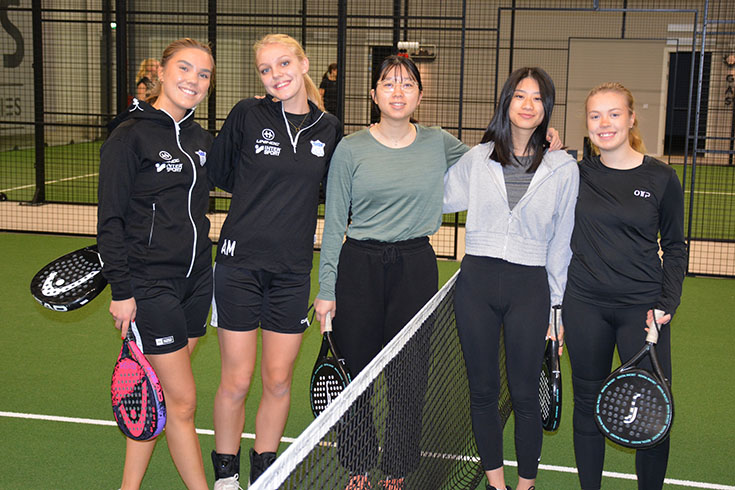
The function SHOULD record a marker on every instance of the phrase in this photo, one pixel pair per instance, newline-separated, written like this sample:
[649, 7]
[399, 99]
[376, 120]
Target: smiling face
[609, 120]
[282, 74]
[185, 80]
[526, 110]
[397, 94]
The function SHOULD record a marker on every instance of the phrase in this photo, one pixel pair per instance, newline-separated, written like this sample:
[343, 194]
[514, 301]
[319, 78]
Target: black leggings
[490, 293]
[380, 287]
[591, 334]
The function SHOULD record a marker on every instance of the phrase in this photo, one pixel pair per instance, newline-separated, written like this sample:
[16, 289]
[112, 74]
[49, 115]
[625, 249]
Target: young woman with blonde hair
[272, 154]
[627, 199]
[153, 239]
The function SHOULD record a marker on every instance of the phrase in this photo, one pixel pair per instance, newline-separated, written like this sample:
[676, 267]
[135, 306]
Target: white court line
[246, 435]
[50, 182]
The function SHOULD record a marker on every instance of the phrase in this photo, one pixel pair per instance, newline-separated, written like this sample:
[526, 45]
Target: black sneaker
[507, 487]
[226, 470]
[259, 463]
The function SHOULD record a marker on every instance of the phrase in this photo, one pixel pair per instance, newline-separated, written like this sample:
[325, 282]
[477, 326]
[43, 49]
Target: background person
[153, 240]
[626, 201]
[328, 89]
[146, 78]
[520, 201]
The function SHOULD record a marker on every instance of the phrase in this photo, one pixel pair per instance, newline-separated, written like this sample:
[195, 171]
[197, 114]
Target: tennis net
[407, 414]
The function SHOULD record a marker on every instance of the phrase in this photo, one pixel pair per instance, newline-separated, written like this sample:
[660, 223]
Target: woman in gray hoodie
[520, 200]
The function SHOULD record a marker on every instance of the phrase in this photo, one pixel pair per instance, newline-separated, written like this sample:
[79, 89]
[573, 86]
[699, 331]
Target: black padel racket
[549, 389]
[71, 281]
[635, 407]
[137, 396]
[330, 375]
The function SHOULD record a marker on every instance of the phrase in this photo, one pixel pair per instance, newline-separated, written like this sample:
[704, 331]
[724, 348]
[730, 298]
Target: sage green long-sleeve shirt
[395, 193]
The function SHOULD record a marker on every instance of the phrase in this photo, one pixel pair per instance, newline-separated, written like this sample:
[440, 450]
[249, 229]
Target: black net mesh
[406, 415]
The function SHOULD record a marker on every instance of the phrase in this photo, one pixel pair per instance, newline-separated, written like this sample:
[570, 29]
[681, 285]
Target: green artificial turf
[60, 364]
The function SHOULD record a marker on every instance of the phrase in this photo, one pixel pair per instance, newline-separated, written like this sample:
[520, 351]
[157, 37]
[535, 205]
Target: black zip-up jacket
[274, 175]
[153, 198]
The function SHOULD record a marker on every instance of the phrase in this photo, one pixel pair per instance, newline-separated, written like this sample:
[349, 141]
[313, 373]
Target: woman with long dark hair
[519, 198]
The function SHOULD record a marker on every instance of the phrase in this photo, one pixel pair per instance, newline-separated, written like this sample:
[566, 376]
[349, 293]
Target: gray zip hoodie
[537, 231]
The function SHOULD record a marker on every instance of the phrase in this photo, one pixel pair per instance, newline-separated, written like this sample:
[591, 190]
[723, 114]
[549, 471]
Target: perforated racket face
[544, 394]
[327, 382]
[634, 410]
[70, 281]
[549, 398]
[137, 399]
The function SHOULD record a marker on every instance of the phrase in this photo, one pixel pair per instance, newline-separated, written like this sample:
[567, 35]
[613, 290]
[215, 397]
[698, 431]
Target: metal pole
[121, 51]
[341, 57]
[39, 196]
[212, 35]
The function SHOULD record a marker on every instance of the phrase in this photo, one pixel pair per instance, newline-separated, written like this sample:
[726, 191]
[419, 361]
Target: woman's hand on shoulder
[552, 136]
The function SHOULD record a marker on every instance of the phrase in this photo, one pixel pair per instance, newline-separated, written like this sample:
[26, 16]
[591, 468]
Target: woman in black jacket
[272, 154]
[153, 240]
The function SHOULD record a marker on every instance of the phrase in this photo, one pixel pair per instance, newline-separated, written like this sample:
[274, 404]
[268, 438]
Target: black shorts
[245, 299]
[171, 311]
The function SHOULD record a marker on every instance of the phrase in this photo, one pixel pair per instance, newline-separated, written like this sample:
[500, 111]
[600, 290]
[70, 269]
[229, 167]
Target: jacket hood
[139, 109]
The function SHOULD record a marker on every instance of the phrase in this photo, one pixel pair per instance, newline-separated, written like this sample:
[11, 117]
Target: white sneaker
[230, 483]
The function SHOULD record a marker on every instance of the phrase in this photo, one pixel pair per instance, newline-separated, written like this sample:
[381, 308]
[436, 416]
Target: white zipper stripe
[295, 140]
[191, 189]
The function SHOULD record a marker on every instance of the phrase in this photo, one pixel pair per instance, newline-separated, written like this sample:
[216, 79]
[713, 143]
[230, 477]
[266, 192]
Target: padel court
[69, 66]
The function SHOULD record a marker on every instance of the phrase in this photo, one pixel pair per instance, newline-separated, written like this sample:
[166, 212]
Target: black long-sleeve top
[274, 174]
[618, 219]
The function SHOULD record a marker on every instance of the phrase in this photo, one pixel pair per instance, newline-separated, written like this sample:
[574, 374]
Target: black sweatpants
[591, 334]
[380, 287]
[492, 293]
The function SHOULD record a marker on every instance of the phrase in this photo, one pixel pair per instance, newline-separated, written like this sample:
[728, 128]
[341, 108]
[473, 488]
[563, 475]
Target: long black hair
[499, 129]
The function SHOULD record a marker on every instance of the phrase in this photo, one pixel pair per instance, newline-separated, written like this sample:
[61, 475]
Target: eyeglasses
[389, 86]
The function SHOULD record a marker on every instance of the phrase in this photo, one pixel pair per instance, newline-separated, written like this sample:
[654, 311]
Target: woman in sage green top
[390, 177]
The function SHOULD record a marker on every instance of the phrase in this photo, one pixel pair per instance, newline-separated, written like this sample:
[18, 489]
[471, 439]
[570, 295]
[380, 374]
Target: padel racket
[549, 389]
[137, 396]
[330, 375]
[635, 407]
[71, 281]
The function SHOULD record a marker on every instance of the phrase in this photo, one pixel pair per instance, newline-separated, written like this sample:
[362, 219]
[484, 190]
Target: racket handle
[653, 330]
[327, 322]
[556, 310]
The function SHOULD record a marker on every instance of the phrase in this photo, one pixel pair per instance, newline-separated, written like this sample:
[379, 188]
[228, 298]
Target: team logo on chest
[266, 145]
[202, 157]
[317, 148]
[170, 165]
